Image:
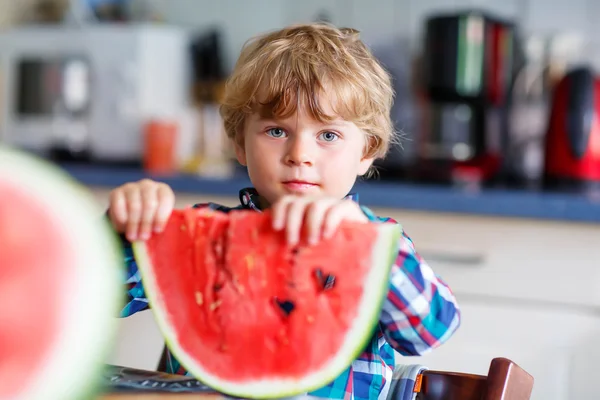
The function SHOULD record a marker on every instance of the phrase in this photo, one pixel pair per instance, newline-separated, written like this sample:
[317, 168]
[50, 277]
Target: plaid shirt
[419, 314]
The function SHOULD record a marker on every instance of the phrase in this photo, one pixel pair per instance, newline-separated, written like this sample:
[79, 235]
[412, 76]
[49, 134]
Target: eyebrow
[335, 123]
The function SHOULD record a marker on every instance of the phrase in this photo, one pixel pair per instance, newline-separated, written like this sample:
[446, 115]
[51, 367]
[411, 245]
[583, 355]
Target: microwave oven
[89, 90]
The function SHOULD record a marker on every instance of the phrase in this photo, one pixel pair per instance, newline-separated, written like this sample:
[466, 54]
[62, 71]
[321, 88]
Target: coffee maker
[468, 66]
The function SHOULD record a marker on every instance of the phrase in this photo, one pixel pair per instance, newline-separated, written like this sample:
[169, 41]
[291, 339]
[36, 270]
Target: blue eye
[329, 136]
[276, 132]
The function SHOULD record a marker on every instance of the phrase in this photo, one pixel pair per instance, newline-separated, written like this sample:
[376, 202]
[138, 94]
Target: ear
[364, 165]
[240, 153]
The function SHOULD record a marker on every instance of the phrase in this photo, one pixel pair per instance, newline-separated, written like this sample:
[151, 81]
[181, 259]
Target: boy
[307, 108]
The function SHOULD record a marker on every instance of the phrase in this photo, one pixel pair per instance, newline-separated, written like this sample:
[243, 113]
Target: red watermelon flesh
[60, 281]
[254, 317]
[24, 272]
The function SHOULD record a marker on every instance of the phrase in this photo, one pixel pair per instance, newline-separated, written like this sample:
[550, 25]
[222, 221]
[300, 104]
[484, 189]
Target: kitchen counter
[417, 197]
[160, 396]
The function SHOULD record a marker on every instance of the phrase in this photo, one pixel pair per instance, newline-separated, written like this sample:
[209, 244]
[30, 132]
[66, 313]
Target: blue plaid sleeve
[136, 297]
[420, 311]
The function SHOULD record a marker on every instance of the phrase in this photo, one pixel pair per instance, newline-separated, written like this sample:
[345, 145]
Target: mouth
[299, 185]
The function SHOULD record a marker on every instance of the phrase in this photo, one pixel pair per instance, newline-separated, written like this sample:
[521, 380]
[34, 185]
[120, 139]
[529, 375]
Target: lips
[299, 185]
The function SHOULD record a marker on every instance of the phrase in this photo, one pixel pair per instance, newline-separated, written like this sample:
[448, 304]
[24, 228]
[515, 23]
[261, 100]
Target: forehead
[300, 117]
[314, 104]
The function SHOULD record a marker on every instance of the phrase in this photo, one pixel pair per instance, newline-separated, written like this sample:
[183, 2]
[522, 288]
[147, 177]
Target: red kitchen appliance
[572, 148]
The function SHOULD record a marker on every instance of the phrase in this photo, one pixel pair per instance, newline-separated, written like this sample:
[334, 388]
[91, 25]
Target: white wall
[378, 19]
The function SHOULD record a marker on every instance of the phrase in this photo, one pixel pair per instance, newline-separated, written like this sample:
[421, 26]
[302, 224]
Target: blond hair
[280, 70]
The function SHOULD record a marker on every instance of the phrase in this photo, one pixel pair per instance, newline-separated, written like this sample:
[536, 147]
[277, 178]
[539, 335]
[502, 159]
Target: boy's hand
[319, 216]
[138, 208]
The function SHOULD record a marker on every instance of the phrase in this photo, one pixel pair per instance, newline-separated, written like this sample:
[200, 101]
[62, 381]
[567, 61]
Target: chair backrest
[505, 381]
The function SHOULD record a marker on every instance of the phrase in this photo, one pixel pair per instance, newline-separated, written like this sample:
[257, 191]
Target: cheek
[259, 156]
[347, 156]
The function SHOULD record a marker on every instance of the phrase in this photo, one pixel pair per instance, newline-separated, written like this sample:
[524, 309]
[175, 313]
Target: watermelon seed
[325, 282]
[215, 305]
[319, 276]
[199, 298]
[217, 286]
[183, 227]
[286, 306]
[295, 250]
[329, 282]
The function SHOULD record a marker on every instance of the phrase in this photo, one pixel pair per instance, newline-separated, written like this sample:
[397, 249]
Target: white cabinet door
[139, 343]
[555, 346]
[533, 260]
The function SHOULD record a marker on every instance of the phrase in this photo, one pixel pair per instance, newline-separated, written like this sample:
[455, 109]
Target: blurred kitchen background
[102, 81]
[496, 179]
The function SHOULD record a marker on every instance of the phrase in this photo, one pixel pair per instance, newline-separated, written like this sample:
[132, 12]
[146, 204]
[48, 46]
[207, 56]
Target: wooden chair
[505, 381]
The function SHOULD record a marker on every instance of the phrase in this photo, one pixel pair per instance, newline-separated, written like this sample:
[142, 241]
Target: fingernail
[145, 236]
[292, 240]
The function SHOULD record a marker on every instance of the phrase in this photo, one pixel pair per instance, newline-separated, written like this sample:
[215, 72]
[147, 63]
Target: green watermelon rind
[384, 255]
[99, 295]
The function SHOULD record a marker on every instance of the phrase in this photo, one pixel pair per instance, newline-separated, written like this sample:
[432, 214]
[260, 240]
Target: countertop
[160, 396]
[419, 197]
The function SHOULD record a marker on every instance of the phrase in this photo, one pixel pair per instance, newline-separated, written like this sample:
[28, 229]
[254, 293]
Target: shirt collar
[249, 198]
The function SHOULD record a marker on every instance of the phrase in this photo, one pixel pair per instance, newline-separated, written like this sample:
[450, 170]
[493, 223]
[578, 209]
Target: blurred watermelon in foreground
[59, 283]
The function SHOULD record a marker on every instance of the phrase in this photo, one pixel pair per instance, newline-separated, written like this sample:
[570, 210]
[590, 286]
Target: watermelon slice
[252, 317]
[60, 288]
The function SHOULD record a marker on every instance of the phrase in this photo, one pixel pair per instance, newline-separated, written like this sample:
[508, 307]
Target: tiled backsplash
[380, 20]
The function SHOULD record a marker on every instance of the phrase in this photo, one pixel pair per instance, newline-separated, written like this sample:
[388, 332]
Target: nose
[298, 151]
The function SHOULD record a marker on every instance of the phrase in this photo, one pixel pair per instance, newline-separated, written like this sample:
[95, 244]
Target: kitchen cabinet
[554, 344]
[529, 290]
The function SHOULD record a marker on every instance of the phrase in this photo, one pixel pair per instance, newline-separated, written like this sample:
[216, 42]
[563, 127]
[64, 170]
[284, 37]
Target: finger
[314, 219]
[279, 212]
[134, 212]
[335, 216]
[117, 210]
[166, 203]
[149, 193]
[294, 220]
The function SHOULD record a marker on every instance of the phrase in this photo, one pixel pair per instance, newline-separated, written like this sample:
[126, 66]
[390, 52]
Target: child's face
[302, 156]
